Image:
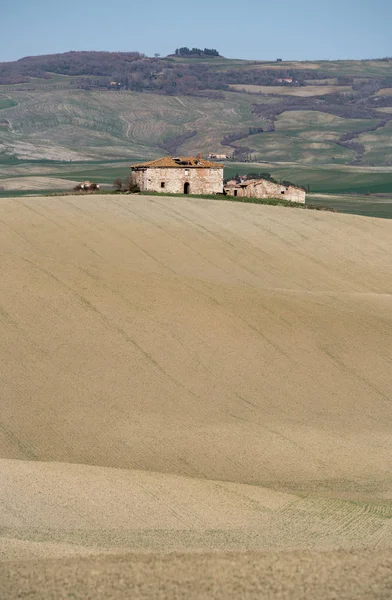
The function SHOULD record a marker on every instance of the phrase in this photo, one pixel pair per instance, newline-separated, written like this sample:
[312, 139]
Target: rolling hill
[66, 107]
[198, 377]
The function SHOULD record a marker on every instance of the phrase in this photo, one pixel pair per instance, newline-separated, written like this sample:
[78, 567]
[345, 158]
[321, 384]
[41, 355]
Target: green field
[6, 102]
[366, 206]
[326, 180]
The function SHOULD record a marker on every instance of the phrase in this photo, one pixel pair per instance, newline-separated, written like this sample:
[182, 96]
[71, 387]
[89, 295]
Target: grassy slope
[378, 145]
[61, 121]
[6, 102]
[68, 124]
[367, 206]
[117, 124]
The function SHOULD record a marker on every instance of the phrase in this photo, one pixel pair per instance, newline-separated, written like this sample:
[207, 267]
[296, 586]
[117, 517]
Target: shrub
[118, 184]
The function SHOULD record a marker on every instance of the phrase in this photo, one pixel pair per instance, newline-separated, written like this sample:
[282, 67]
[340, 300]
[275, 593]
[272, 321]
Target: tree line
[196, 52]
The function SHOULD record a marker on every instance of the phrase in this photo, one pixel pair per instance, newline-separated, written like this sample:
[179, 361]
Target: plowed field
[190, 375]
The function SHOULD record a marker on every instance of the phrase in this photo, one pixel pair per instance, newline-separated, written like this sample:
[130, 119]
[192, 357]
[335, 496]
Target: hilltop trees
[196, 52]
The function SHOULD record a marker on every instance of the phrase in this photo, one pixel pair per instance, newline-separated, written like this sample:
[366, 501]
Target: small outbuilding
[179, 175]
[262, 188]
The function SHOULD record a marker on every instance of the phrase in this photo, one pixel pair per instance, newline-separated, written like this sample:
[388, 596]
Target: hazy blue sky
[255, 29]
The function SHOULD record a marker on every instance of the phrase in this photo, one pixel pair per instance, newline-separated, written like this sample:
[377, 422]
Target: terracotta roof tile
[180, 162]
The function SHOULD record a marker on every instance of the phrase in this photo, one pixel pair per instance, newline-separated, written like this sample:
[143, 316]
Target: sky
[249, 29]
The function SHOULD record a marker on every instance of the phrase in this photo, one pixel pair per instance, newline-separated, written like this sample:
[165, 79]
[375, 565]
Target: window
[282, 192]
[162, 184]
[186, 171]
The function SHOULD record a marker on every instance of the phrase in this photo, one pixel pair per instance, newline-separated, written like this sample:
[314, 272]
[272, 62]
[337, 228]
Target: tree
[118, 184]
[264, 175]
[185, 51]
[211, 52]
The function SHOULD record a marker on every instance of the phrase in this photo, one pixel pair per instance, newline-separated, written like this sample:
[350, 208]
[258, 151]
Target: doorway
[186, 188]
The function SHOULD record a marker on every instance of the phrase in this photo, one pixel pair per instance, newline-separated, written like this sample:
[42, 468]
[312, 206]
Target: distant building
[285, 80]
[262, 188]
[218, 156]
[179, 175]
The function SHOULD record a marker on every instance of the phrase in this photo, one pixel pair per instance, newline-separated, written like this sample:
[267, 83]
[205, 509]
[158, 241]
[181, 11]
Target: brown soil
[251, 576]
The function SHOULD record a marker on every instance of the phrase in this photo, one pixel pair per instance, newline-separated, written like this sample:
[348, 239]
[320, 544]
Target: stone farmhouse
[179, 175]
[190, 175]
[262, 188]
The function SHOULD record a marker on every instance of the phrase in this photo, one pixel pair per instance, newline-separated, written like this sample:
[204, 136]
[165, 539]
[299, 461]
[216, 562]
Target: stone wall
[200, 180]
[262, 188]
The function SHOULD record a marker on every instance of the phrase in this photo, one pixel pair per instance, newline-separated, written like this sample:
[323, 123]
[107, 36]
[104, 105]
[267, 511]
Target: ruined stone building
[179, 175]
[262, 188]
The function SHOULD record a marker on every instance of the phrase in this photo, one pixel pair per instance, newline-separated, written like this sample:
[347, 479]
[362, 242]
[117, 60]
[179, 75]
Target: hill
[149, 291]
[338, 111]
[190, 376]
[323, 125]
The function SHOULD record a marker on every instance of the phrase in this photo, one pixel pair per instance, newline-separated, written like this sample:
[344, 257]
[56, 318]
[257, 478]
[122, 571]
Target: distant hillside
[110, 105]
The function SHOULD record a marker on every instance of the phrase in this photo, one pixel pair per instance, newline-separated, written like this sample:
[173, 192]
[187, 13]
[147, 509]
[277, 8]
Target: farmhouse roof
[179, 162]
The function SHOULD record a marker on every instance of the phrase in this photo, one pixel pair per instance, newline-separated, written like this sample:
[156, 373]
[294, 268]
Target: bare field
[36, 183]
[55, 509]
[304, 92]
[164, 327]
[251, 576]
[385, 92]
[184, 375]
